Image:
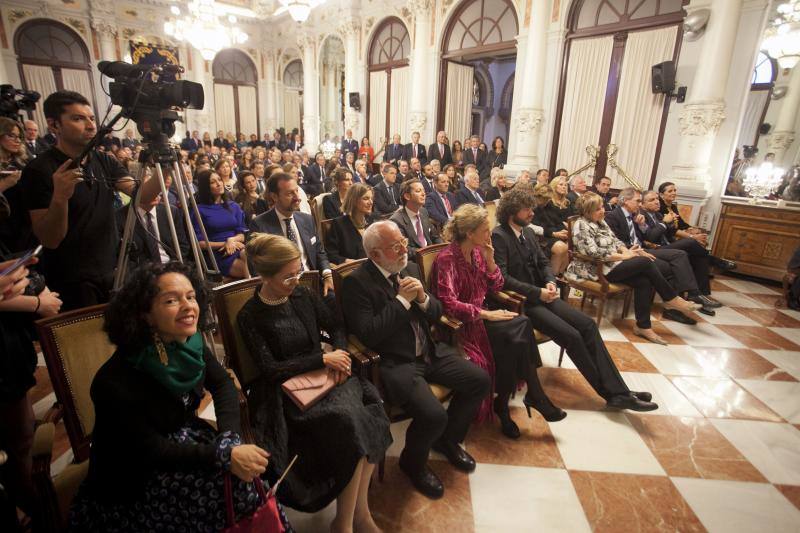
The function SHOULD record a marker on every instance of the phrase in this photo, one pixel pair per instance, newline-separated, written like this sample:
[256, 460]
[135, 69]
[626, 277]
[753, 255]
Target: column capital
[529, 120]
[306, 41]
[701, 119]
[350, 27]
[105, 28]
[418, 120]
[780, 141]
[420, 8]
[102, 8]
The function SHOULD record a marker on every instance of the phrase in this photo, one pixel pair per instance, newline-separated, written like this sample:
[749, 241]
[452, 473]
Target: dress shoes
[457, 456]
[705, 301]
[424, 480]
[642, 395]
[722, 264]
[677, 316]
[707, 311]
[631, 402]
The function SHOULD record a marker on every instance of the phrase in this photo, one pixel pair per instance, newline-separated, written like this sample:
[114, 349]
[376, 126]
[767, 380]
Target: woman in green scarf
[155, 465]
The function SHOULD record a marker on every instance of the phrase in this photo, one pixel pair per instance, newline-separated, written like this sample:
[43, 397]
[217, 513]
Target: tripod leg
[165, 199]
[127, 235]
[181, 187]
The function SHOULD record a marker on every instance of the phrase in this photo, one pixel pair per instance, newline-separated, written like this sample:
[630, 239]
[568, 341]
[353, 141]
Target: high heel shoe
[650, 335]
[549, 412]
[508, 427]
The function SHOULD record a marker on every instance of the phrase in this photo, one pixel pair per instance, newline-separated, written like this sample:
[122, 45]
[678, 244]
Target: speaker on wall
[663, 77]
[355, 101]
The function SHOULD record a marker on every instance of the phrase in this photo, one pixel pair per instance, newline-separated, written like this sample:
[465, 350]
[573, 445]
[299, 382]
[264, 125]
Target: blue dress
[221, 222]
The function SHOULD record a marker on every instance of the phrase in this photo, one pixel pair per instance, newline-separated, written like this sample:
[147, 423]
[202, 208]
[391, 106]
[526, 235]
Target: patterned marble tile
[677, 360]
[748, 287]
[769, 317]
[791, 492]
[704, 335]
[669, 399]
[740, 363]
[568, 389]
[728, 316]
[737, 299]
[771, 300]
[626, 327]
[628, 358]
[757, 337]
[793, 334]
[781, 397]
[549, 351]
[784, 359]
[722, 398]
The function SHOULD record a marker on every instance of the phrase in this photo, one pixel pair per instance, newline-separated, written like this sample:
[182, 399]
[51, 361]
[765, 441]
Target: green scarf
[184, 369]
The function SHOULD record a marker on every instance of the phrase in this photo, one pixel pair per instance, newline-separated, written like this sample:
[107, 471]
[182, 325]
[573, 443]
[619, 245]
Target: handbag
[265, 519]
[308, 388]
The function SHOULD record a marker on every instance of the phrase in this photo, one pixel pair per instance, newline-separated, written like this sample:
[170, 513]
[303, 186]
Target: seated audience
[523, 178]
[498, 188]
[554, 228]
[341, 437]
[603, 187]
[362, 173]
[292, 170]
[543, 176]
[527, 271]
[386, 307]
[427, 178]
[499, 341]
[146, 429]
[247, 197]
[413, 220]
[470, 192]
[456, 179]
[224, 224]
[577, 186]
[332, 204]
[404, 171]
[593, 238]
[225, 172]
[344, 240]
[441, 203]
[387, 192]
[315, 176]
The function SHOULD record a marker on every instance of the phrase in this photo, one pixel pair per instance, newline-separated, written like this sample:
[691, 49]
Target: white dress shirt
[143, 216]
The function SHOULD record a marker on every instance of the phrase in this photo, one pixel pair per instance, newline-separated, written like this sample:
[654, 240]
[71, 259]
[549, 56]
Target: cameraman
[74, 217]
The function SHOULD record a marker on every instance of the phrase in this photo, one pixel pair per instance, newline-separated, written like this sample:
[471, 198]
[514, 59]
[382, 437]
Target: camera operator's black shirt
[88, 251]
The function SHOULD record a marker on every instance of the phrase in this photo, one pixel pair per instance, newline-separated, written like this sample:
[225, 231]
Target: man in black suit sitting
[387, 192]
[314, 178]
[440, 150]
[386, 307]
[286, 220]
[36, 145]
[526, 270]
[428, 178]
[220, 141]
[415, 150]
[441, 202]
[394, 151]
[475, 156]
[470, 192]
[602, 187]
[413, 219]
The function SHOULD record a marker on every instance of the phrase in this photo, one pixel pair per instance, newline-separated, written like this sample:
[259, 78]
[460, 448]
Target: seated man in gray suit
[413, 219]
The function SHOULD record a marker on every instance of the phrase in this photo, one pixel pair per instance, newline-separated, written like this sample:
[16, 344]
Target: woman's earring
[161, 349]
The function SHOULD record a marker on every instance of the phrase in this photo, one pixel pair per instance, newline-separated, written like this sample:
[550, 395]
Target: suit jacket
[40, 146]
[312, 179]
[144, 247]
[525, 267]
[222, 143]
[331, 206]
[408, 153]
[482, 161]
[350, 146]
[190, 144]
[393, 153]
[344, 241]
[383, 204]
[436, 208]
[312, 244]
[465, 196]
[445, 158]
[407, 228]
[374, 179]
[427, 186]
[377, 318]
[657, 232]
[618, 223]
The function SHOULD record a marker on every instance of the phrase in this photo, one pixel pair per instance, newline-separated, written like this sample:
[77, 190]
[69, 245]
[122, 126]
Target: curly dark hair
[512, 201]
[124, 317]
[204, 196]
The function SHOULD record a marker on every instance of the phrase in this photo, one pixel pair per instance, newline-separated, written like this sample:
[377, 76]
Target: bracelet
[38, 304]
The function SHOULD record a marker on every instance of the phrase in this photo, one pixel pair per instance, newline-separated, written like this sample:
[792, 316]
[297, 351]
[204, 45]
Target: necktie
[478, 197]
[441, 151]
[321, 171]
[395, 281]
[151, 230]
[415, 150]
[390, 188]
[421, 234]
[32, 146]
[522, 239]
[632, 230]
[290, 234]
[447, 205]
[474, 155]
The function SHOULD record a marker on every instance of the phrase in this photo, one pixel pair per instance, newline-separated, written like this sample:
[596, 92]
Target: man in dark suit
[403, 171]
[441, 202]
[475, 156]
[577, 186]
[603, 187]
[349, 144]
[415, 150]
[526, 270]
[220, 141]
[386, 193]
[428, 177]
[190, 143]
[413, 219]
[314, 177]
[470, 193]
[152, 237]
[440, 150]
[35, 144]
[286, 220]
[278, 141]
[386, 307]
[394, 152]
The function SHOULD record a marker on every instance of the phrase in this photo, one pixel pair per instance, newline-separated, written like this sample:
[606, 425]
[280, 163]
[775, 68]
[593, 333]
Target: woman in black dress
[552, 219]
[344, 240]
[332, 204]
[341, 437]
[498, 155]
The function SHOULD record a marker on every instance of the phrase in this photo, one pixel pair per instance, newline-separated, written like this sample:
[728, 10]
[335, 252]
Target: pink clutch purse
[307, 389]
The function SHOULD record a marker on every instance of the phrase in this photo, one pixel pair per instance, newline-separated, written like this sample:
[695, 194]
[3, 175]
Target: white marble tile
[669, 399]
[727, 316]
[702, 334]
[738, 506]
[311, 522]
[793, 334]
[58, 466]
[549, 352]
[791, 312]
[677, 360]
[209, 413]
[783, 397]
[784, 359]
[42, 406]
[516, 498]
[610, 333]
[773, 448]
[749, 287]
[603, 441]
[736, 299]
[40, 359]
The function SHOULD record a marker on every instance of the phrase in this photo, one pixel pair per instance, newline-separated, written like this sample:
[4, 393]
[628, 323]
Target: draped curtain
[377, 108]
[584, 94]
[291, 109]
[458, 110]
[398, 105]
[224, 108]
[248, 111]
[41, 80]
[637, 119]
[756, 100]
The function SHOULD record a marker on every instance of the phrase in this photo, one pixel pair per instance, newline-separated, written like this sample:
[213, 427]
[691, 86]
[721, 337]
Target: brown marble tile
[716, 286]
[692, 447]
[759, 338]
[626, 328]
[624, 502]
[740, 363]
[628, 358]
[771, 318]
[568, 389]
[775, 300]
[397, 506]
[535, 447]
[722, 398]
[792, 493]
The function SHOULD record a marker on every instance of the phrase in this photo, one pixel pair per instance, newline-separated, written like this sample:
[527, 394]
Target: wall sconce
[779, 92]
[695, 24]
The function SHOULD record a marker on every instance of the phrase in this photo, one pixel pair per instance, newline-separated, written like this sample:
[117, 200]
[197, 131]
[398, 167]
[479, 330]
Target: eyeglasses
[399, 246]
[13, 137]
[291, 280]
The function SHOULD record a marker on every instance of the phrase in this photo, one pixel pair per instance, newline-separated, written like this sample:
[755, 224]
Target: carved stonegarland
[102, 7]
[780, 140]
[310, 123]
[699, 120]
[104, 28]
[420, 8]
[529, 120]
[417, 120]
[18, 14]
[350, 28]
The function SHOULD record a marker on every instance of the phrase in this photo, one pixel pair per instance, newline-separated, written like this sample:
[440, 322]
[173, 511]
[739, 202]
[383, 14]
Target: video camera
[12, 101]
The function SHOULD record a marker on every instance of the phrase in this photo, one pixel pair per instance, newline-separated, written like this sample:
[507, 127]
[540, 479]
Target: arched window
[387, 85]
[52, 57]
[293, 75]
[292, 95]
[593, 14]
[765, 71]
[758, 100]
[482, 25]
[235, 92]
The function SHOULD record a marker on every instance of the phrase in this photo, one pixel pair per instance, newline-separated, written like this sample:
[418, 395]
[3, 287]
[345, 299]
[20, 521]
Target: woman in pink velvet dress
[499, 341]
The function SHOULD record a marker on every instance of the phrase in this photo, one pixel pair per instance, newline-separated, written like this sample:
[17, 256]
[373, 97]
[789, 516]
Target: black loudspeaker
[764, 128]
[355, 101]
[663, 77]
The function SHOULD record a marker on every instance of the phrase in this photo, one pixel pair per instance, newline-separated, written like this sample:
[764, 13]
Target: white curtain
[458, 110]
[584, 94]
[637, 119]
[398, 103]
[248, 111]
[78, 81]
[223, 107]
[41, 80]
[377, 108]
[753, 111]
[291, 109]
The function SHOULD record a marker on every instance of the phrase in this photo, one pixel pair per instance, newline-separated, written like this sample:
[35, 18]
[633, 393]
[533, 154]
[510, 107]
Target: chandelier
[203, 27]
[783, 37]
[761, 181]
[299, 10]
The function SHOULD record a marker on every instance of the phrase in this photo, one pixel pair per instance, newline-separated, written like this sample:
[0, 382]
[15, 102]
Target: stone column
[352, 118]
[527, 121]
[270, 78]
[205, 119]
[332, 126]
[107, 36]
[311, 120]
[704, 112]
[783, 136]
[420, 85]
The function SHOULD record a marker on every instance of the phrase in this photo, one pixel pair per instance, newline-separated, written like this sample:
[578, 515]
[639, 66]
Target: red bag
[265, 519]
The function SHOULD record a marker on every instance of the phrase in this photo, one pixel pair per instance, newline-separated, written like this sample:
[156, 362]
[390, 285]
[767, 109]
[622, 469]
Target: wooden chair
[491, 209]
[602, 289]
[324, 229]
[317, 210]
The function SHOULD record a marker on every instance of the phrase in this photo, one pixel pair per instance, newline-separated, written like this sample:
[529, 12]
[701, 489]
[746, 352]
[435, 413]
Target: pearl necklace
[269, 301]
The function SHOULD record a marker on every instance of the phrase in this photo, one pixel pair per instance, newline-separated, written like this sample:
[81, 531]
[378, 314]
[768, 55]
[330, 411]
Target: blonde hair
[495, 174]
[351, 198]
[542, 192]
[466, 218]
[560, 200]
[588, 203]
[270, 253]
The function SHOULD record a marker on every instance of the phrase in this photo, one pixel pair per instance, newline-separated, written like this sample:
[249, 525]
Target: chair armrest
[244, 411]
[509, 300]
[51, 516]
[43, 439]
[54, 414]
[450, 323]
[359, 347]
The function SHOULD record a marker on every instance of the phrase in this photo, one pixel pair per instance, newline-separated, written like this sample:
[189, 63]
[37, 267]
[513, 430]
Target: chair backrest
[339, 273]
[570, 222]
[425, 258]
[324, 229]
[75, 347]
[491, 209]
[318, 211]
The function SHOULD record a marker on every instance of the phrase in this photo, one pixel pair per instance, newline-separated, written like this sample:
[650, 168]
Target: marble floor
[721, 454]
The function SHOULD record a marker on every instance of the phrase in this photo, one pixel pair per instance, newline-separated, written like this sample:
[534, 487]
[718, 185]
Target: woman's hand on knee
[248, 461]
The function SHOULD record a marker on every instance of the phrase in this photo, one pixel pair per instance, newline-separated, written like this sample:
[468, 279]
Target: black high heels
[549, 412]
[508, 427]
